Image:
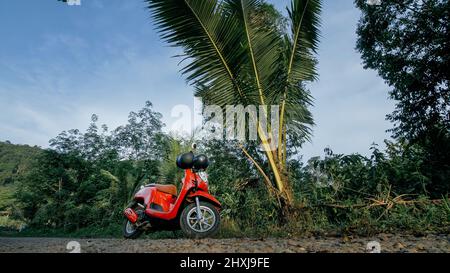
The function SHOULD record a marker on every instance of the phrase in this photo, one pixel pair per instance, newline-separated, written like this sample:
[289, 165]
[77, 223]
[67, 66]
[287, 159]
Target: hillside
[15, 160]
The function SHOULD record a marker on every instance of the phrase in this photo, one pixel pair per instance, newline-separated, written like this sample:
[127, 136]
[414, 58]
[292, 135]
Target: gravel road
[387, 242]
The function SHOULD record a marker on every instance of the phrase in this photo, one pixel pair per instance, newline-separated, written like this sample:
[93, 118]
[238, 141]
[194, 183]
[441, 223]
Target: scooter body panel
[144, 195]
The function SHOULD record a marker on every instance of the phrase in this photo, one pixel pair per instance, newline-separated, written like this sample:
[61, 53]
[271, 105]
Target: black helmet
[201, 162]
[185, 161]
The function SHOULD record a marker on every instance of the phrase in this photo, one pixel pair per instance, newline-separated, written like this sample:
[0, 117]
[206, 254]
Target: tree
[406, 41]
[240, 53]
[132, 152]
[15, 160]
[142, 144]
[138, 139]
[88, 177]
[45, 191]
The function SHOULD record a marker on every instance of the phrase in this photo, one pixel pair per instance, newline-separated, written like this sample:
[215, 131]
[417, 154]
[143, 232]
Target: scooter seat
[170, 189]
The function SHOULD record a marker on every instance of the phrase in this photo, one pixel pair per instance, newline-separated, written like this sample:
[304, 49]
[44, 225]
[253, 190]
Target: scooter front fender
[205, 195]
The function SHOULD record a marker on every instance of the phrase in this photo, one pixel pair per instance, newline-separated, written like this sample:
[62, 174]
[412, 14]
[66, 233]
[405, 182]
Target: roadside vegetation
[79, 187]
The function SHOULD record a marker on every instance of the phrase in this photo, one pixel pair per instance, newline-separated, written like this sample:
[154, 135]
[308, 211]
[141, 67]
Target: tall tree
[140, 139]
[239, 56]
[88, 176]
[407, 42]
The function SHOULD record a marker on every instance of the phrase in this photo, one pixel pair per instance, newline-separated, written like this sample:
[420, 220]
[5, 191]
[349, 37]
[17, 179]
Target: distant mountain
[15, 160]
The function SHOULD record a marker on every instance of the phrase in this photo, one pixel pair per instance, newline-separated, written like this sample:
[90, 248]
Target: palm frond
[209, 39]
[262, 45]
[298, 53]
[305, 22]
[235, 59]
[298, 117]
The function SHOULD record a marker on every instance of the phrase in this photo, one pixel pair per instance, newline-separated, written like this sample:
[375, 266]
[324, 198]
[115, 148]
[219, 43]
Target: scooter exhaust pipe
[131, 215]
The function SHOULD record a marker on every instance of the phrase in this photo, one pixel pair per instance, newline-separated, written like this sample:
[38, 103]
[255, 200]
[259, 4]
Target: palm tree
[239, 54]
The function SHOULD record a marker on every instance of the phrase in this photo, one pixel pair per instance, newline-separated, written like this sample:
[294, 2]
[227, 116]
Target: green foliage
[6, 197]
[400, 170]
[247, 208]
[387, 192]
[169, 172]
[405, 41]
[245, 52]
[15, 160]
[82, 185]
[8, 223]
[87, 178]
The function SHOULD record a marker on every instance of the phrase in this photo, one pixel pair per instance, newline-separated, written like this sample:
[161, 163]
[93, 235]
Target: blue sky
[59, 64]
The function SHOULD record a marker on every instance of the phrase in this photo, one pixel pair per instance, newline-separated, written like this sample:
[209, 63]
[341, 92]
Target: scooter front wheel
[200, 226]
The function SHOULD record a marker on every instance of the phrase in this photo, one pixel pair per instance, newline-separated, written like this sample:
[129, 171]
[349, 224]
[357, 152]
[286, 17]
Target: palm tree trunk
[281, 181]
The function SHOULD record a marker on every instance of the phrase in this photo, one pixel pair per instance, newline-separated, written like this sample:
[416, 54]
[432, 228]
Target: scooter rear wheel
[207, 226]
[130, 231]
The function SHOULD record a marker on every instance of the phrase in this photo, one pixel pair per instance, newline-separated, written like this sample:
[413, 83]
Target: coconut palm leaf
[262, 46]
[209, 39]
[305, 22]
[298, 53]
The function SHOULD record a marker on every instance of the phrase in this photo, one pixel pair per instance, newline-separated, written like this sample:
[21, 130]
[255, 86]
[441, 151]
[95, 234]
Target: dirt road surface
[386, 242]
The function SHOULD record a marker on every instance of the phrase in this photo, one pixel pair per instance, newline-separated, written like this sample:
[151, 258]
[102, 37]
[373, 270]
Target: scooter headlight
[203, 176]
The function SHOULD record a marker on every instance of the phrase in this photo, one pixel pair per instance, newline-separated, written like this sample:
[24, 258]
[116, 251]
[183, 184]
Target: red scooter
[161, 207]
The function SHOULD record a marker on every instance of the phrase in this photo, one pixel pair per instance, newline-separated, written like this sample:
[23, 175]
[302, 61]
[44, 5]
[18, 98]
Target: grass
[6, 197]
[7, 223]
[6, 203]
